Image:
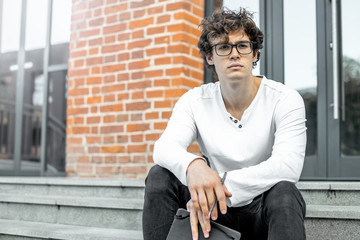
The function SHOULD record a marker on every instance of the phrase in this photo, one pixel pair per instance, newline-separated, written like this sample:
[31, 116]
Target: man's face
[235, 66]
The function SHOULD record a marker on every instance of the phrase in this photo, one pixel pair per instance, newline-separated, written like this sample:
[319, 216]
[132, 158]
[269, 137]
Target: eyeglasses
[225, 49]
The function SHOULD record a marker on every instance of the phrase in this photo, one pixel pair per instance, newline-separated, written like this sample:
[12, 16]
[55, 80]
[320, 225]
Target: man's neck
[238, 95]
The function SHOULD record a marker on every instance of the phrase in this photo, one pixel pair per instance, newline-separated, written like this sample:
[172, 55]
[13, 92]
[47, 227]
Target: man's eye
[243, 45]
[223, 47]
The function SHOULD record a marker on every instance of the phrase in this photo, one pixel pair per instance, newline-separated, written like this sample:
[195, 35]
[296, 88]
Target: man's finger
[203, 202]
[194, 224]
[204, 223]
[220, 194]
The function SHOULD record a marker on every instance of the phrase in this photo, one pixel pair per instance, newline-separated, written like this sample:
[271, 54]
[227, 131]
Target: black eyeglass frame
[232, 47]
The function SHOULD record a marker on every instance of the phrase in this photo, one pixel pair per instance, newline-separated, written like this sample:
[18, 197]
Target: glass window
[36, 18]
[350, 117]
[10, 35]
[300, 59]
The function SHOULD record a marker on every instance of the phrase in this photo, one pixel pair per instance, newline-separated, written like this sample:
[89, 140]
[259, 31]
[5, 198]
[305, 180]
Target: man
[248, 126]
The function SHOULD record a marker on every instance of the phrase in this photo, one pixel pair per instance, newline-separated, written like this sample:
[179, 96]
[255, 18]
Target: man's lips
[235, 65]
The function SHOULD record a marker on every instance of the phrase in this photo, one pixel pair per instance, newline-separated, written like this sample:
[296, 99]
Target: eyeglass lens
[226, 48]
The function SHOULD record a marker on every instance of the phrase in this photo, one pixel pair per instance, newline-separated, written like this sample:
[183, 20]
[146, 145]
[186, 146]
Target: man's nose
[234, 53]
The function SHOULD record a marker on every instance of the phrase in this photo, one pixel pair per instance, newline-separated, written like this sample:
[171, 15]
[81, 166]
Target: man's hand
[204, 184]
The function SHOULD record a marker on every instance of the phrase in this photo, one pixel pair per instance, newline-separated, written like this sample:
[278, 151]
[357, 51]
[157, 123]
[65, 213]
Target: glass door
[346, 90]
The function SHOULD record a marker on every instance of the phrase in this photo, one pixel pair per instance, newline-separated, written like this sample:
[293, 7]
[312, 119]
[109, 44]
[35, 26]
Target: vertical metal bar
[1, 14]
[46, 91]
[335, 58]
[20, 92]
[208, 74]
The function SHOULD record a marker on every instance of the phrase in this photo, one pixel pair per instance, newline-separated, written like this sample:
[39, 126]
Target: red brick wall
[129, 63]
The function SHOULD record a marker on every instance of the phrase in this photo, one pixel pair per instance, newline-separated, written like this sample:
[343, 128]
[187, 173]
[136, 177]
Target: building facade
[129, 62]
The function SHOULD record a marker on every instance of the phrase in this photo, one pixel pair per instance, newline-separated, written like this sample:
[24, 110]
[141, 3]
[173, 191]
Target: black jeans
[276, 214]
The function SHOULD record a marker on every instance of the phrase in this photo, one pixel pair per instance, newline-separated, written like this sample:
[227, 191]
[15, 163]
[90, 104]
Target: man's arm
[286, 160]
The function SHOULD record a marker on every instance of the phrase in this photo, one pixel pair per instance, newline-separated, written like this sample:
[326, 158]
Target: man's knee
[159, 179]
[285, 195]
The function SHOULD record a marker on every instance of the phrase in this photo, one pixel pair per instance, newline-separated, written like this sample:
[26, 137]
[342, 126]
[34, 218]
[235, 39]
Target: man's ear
[255, 56]
[209, 60]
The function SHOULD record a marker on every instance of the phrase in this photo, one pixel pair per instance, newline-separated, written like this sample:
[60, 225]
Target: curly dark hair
[221, 24]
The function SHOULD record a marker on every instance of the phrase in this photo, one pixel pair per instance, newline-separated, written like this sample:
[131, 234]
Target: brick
[155, 94]
[94, 61]
[123, 76]
[163, 61]
[151, 115]
[80, 130]
[137, 148]
[113, 88]
[154, 73]
[96, 41]
[89, 33]
[134, 170]
[77, 111]
[137, 106]
[112, 129]
[137, 127]
[113, 68]
[96, 22]
[139, 64]
[76, 54]
[163, 19]
[110, 39]
[122, 138]
[152, 136]
[123, 57]
[137, 54]
[110, 159]
[137, 138]
[142, 4]
[93, 80]
[73, 140]
[155, 30]
[101, 170]
[123, 159]
[109, 98]
[93, 100]
[187, 17]
[138, 34]
[169, 93]
[136, 117]
[79, 101]
[109, 79]
[78, 72]
[177, 6]
[139, 85]
[115, 28]
[155, 51]
[163, 104]
[162, 40]
[160, 125]
[109, 119]
[137, 95]
[93, 120]
[95, 3]
[139, 159]
[92, 140]
[138, 13]
[112, 108]
[123, 36]
[162, 83]
[139, 44]
[117, 8]
[155, 10]
[93, 149]
[113, 48]
[113, 149]
[141, 23]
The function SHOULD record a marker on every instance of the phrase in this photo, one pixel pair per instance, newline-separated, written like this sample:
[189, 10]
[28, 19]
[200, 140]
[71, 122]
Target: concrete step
[331, 193]
[113, 188]
[23, 230]
[114, 213]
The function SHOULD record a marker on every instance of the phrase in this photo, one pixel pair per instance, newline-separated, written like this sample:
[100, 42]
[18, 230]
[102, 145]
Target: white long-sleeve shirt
[264, 147]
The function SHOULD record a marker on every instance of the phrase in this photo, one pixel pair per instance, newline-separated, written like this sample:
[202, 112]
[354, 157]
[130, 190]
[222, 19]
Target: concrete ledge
[333, 212]
[344, 186]
[113, 203]
[60, 231]
[120, 182]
